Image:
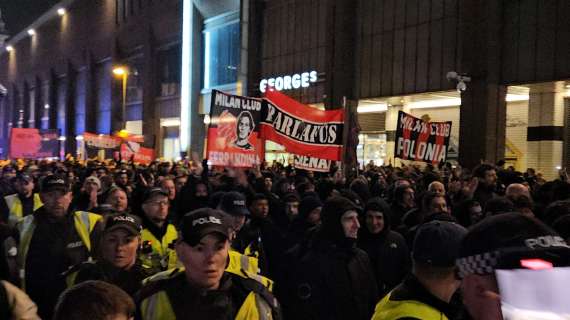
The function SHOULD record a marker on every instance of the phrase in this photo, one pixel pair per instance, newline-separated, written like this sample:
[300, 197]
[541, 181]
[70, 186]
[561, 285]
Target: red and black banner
[301, 129]
[420, 140]
[234, 131]
[30, 143]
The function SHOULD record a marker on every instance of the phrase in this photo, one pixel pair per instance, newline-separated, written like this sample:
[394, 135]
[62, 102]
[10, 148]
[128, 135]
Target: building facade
[380, 56]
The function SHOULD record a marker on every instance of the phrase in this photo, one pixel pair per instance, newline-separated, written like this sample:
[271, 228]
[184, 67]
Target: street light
[123, 72]
[61, 12]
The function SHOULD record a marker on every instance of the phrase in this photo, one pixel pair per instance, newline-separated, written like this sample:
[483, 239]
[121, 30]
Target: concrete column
[391, 126]
[545, 128]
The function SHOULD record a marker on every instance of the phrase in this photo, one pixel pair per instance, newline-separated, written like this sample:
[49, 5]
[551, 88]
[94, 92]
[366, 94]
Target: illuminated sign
[296, 81]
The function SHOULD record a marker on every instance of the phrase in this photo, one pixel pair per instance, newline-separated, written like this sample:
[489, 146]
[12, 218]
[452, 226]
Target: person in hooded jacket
[328, 277]
[309, 217]
[386, 249]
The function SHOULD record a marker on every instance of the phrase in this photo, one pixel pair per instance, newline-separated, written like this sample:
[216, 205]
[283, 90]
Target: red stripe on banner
[440, 141]
[292, 146]
[406, 133]
[303, 111]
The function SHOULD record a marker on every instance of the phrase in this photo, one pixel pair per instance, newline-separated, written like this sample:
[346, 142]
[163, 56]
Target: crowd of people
[116, 240]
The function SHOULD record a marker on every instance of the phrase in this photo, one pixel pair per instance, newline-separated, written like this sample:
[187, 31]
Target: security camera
[461, 80]
[451, 75]
[461, 86]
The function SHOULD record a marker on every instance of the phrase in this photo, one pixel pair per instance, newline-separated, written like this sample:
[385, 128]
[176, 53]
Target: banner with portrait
[301, 129]
[138, 153]
[420, 140]
[233, 132]
[30, 143]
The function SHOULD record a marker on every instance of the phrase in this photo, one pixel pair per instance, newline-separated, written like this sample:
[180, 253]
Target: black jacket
[325, 280]
[389, 255]
[327, 276]
[128, 280]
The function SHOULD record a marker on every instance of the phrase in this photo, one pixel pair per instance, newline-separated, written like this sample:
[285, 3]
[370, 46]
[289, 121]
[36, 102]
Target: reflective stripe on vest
[160, 249]
[247, 267]
[17, 209]
[84, 223]
[388, 309]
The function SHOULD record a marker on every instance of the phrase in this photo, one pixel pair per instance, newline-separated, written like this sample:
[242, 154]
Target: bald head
[437, 188]
[516, 189]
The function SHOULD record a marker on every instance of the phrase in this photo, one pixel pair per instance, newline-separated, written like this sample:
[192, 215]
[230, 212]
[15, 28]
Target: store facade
[386, 55]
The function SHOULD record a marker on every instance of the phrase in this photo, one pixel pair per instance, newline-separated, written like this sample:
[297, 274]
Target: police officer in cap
[158, 235]
[117, 263]
[22, 203]
[52, 239]
[202, 289]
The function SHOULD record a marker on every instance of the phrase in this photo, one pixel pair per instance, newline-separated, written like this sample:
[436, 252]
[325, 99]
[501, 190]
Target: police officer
[52, 239]
[117, 263]
[158, 235]
[22, 203]
[202, 290]
[428, 292]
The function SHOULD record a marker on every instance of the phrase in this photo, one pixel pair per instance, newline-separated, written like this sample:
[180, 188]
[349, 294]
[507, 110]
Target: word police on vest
[209, 219]
[289, 82]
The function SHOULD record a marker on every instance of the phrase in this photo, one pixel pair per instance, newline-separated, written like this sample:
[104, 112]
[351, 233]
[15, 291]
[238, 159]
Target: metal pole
[124, 106]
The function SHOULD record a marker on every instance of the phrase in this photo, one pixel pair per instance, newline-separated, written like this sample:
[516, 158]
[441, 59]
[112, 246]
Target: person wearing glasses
[158, 235]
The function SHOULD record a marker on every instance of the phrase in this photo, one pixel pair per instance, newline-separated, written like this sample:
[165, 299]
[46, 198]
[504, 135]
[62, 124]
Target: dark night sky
[18, 14]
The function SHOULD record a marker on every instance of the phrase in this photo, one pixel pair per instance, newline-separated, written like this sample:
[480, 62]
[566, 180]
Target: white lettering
[289, 82]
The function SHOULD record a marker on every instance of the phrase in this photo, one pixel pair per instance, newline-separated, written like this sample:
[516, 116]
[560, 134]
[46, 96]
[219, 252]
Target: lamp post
[123, 72]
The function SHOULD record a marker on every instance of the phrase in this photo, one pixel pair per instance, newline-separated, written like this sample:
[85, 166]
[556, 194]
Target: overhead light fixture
[9, 48]
[436, 103]
[61, 12]
[516, 97]
[370, 108]
[119, 71]
[31, 32]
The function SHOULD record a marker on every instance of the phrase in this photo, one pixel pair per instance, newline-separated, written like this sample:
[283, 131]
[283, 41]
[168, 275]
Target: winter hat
[307, 205]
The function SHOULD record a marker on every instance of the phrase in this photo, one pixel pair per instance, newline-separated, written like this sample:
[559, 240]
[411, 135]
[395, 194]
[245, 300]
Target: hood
[332, 211]
[378, 204]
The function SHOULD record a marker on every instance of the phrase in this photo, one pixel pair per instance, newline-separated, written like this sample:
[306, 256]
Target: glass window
[221, 50]
[372, 147]
[169, 67]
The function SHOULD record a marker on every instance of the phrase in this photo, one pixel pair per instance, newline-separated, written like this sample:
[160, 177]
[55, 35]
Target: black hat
[486, 242]
[153, 192]
[234, 204]
[197, 224]
[23, 177]
[508, 230]
[308, 204]
[54, 183]
[437, 243]
[128, 222]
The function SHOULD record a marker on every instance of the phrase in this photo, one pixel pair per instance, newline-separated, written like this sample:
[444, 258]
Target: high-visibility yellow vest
[17, 209]
[388, 309]
[162, 257]
[247, 267]
[84, 223]
[158, 305]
